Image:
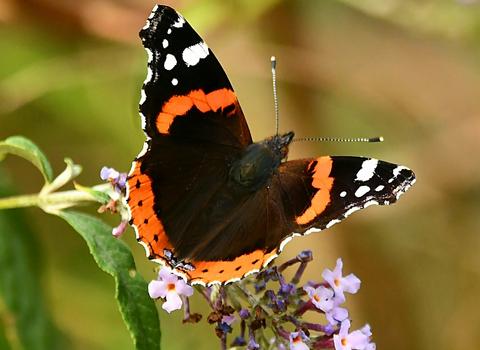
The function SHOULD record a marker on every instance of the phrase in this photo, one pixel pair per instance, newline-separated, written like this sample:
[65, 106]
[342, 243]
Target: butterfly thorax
[259, 161]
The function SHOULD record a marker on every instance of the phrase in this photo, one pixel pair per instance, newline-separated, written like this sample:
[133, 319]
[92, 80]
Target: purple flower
[340, 284]
[329, 330]
[286, 289]
[224, 328]
[238, 341]
[348, 341]
[117, 179]
[229, 319]
[260, 286]
[244, 313]
[109, 174]
[367, 332]
[169, 286]
[120, 229]
[297, 340]
[321, 297]
[336, 314]
[306, 255]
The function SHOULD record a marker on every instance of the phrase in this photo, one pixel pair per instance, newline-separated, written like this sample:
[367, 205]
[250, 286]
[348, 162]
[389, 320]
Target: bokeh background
[70, 79]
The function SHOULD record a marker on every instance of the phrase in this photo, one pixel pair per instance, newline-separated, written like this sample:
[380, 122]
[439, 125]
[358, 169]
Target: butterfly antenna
[362, 139]
[274, 62]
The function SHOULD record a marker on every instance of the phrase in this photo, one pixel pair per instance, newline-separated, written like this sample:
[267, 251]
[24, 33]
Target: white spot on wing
[150, 17]
[170, 62]
[343, 194]
[379, 188]
[361, 191]
[312, 230]
[193, 54]
[353, 210]
[367, 171]
[149, 75]
[143, 97]
[285, 241]
[165, 43]
[331, 223]
[397, 172]
[174, 81]
[150, 55]
[372, 202]
[179, 23]
[265, 263]
[398, 169]
[155, 8]
[294, 234]
[169, 31]
[144, 122]
[144, 149]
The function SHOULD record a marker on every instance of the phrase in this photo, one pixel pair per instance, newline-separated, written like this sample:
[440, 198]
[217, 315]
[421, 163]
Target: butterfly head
[284, 141]
[259, 161]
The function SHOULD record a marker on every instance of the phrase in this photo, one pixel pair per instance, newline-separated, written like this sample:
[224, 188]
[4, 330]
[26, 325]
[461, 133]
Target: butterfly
[204, 199]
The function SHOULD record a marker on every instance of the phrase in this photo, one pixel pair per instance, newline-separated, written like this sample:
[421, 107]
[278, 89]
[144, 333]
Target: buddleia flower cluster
[269, 310]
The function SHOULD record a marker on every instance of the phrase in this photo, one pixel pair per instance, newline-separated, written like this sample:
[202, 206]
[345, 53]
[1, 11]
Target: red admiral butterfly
[204, 199]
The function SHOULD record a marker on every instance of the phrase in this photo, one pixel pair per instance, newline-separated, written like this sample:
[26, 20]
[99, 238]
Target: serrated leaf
[114, 257]
[26, 321]
[25, 148]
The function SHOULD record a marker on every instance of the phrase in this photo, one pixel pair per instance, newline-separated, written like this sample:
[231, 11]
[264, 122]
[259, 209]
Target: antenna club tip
[272, 58]
[376, 139]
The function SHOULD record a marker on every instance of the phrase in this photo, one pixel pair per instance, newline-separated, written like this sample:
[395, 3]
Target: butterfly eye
[285, 152]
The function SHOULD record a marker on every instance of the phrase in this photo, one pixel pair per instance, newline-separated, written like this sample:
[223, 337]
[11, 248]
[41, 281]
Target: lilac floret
[120, 229]
[243, 313]
[321, 297]
[117, 179]
[340, 284]
[169, 286]
[297, 340]
[109, 173]
[349, 341]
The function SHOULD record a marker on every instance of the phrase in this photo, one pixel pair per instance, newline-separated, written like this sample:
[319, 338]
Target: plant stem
[65, 198]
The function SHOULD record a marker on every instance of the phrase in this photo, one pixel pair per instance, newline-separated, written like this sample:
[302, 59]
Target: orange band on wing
[180, 105]
[150, 230]
[222, 271]
[323, 182]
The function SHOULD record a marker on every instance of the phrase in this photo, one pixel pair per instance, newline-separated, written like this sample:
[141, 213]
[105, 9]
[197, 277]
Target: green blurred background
[409, 70]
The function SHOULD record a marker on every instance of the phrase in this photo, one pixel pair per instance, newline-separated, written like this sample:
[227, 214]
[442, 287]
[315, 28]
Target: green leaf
[114, 257]
[24, 317]
[25, 148]
[4, 344]
[71, 171]
[100, 196]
